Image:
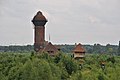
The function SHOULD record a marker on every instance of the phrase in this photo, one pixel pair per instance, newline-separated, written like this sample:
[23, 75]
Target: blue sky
[69, 21]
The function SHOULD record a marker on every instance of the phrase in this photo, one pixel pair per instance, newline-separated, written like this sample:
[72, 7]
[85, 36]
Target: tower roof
[79, 48]
[39, 19]
[39, 16]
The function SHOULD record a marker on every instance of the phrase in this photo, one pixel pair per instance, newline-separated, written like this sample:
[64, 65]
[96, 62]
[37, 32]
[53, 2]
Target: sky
[69, 21]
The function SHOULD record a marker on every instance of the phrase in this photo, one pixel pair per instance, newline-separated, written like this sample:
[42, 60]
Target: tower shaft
[39, 39]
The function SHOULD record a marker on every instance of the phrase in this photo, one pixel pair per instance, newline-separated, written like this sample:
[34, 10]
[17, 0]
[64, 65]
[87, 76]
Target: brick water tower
[39, 22]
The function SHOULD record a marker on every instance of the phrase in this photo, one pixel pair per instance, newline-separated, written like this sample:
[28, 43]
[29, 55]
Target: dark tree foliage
[16, 48]
[32, 66]
[101, 77]
[96, 48]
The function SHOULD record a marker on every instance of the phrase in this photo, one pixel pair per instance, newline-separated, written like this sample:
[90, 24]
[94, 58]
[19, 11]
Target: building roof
[39, 16]
[50, 47]
[58, 47]
[79, 48]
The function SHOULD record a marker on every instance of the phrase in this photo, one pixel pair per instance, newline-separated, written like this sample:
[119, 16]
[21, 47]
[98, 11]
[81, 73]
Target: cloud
[67, 19]
[93, 19]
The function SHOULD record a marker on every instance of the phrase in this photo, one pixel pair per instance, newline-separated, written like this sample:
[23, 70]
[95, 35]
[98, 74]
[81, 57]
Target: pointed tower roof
[79, 48]
[39, 19]
[39, 16]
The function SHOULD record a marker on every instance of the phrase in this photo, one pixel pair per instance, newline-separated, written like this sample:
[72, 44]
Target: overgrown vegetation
[29, 66]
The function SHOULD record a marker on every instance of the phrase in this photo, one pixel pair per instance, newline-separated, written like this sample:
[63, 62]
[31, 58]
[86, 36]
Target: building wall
[79, 55]
[39, 37]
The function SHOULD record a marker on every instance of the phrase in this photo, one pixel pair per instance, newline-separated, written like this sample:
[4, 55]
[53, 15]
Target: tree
[76, 76]
[69, 64]
[97, 48]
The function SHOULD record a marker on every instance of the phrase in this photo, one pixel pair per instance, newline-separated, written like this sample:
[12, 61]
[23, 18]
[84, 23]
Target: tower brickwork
[39, 22]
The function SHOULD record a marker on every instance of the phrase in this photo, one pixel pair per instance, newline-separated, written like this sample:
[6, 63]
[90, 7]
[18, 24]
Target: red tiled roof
[79, 48]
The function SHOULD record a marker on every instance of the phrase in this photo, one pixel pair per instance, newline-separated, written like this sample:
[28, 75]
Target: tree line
[96, 48]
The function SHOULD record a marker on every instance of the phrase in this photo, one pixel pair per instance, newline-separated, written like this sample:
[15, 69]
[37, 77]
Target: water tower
[39, 22]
